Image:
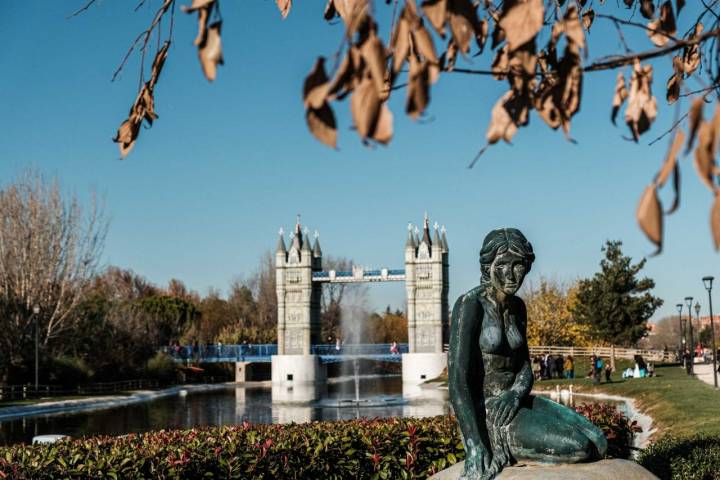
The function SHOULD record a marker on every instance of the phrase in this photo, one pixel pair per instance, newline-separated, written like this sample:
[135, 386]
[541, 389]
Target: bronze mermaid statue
[490, 376]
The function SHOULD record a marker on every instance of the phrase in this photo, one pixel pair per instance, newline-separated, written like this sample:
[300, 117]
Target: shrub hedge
[694, 458]
[363, 449]
[618, 428]
[394, 448]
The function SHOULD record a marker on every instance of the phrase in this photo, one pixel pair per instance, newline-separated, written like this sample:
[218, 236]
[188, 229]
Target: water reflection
[235, 405]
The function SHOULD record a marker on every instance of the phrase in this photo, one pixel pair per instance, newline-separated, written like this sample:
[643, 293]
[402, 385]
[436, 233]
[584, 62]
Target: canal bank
[110, 401]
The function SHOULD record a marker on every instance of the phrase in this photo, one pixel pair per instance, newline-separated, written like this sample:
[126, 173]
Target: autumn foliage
[538, 48]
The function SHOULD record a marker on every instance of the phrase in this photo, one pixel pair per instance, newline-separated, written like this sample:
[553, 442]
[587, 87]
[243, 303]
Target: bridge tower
[298, 299]
[427, 285]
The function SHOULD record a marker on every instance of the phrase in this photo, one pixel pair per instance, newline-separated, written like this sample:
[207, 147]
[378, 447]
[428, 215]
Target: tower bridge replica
[300, 278]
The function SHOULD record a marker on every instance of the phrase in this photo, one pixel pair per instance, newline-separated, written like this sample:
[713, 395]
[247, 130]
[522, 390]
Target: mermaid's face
[507, 273]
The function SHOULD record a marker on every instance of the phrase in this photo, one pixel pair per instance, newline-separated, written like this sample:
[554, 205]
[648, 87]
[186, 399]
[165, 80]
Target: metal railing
[199, 353]
[358, 349]
[26, 392]
[263, 352]
[616, 352]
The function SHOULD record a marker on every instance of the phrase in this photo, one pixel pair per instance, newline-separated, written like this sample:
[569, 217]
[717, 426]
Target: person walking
[608, 371]
[569, 368]
[559, 366]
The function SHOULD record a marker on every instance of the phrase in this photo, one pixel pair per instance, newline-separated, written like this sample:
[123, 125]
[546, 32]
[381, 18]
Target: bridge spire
[410, 243]
[444, 237]
[426, 231]
[281, 242]
[317, 252]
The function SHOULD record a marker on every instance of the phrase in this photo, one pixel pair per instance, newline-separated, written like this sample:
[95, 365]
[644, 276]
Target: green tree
[550, 319]
[615, 303]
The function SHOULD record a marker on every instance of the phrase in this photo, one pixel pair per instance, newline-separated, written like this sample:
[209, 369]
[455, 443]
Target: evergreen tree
[615, 303]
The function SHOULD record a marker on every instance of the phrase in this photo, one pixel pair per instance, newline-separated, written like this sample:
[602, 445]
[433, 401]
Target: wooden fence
[611, 352]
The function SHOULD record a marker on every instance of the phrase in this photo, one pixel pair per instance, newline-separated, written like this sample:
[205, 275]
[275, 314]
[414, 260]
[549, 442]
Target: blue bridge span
[328, 353]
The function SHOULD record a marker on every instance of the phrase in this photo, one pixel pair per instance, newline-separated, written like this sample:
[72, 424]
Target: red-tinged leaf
[284, 7]
[649, 216]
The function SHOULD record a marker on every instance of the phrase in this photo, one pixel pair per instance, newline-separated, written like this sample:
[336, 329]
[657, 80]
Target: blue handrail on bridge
[328, 353]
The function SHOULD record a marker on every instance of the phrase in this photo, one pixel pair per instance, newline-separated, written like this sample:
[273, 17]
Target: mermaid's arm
[524, 380]
[465, 378]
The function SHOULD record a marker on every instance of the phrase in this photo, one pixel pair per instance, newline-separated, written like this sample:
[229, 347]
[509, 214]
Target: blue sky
[205, 190]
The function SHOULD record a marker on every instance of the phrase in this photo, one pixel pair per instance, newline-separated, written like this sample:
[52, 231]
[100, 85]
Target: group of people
[549, 366]
[553, 366]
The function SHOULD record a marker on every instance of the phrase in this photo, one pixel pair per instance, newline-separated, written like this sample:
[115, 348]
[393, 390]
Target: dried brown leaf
[197, 5]
[401, 43]
[661, 29]
[127, 135]
[447, 61]
[573, 29]
[481, 34]
[715, 221]
[365, 106]
[641, 108]
[679, 4]
[423, 43]
[463, 20]
[649, 216]
[158, 63]
[436, 13]
[210, 51]
[373, 53]
[522, 22]
[321, 122]
[671, 158]
[705, 154]
[342, 83]
[284, 7]
[384, 128]
[501, 63]
[418, 94]
[691, 54]
[619, 97]
[695, 117]
[647, 8]
[316, 85]
[501, 125]
[587, 18]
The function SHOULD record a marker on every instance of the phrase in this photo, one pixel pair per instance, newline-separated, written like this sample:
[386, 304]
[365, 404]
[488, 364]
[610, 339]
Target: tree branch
[617, 20]
[87, 5]
[659, 52]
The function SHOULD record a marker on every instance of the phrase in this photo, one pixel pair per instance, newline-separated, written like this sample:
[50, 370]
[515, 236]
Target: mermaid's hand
[501, 410]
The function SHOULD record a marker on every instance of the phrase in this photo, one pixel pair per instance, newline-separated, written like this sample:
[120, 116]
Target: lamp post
[708, 281]
[680, 333]
[697, 319]
[688, 301]
[36, 313]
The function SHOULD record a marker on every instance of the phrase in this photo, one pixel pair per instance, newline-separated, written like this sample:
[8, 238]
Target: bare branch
[81, 9]
[620, 61]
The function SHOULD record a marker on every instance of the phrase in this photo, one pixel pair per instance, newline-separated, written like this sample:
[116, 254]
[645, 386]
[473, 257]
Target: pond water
[380, 396]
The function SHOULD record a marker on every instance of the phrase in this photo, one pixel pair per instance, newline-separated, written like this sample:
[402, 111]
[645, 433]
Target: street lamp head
[36, 309]
[679, 307]
[697, 308]
[707, 281]
[689, 300]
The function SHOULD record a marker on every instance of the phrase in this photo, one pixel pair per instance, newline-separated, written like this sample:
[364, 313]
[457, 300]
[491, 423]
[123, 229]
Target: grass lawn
[679, 404]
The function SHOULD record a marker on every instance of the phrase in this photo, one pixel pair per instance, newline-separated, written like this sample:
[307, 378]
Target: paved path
[704, 371]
